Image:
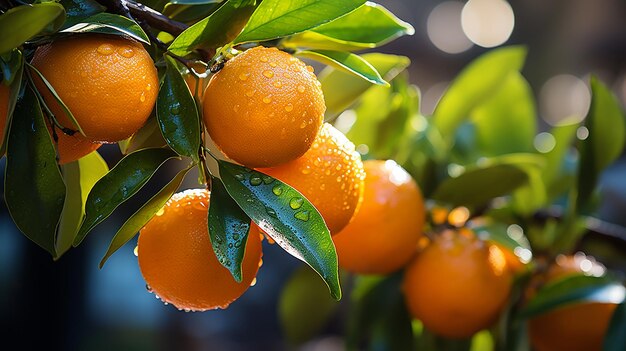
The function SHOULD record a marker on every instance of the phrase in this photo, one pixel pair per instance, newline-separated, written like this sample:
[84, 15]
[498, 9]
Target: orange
[330, 175]
[458, 285]
[576, 327]
[108, 82]
[4, 109]
[177, 260]
[264, 108]
[384, 234]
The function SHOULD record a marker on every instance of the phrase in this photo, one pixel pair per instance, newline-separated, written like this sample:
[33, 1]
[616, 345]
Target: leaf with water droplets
[228, 229]
[177, 113]
[119, 185]
[132, 226]
[301, 232]
[33, 182]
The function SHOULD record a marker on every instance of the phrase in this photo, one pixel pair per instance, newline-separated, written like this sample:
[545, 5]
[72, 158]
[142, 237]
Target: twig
[144, 15]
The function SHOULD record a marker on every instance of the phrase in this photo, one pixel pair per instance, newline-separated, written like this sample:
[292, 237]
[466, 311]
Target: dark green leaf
[108, 23]
[143, 215]
[342, 89]
[477, 82]
[195, 2]
[177, 113]
[506, 122]
[615, 338]
[33, 183]
[149, 136]
[287, 217]
[78, 10]
[478, 186]
[304, 306]
[80, 176]
[346, 61]
[369, 26]
[119, 185]
[189, 13]
[228, 227]
[56, 96]
[22, 23]
[12, 71]
[605, 143]
[221, 27]
[278, 18]
[573, 289]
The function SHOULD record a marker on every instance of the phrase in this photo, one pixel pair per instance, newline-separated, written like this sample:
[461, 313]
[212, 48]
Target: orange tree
[462, 218]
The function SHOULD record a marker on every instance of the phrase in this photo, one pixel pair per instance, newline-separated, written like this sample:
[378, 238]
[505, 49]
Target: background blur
[72, 305]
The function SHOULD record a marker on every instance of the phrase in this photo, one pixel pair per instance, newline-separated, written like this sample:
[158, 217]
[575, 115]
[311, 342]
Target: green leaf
[482, 341]
[615, 338]
[605, 143]
[177, 113]
[12, 71]
[189, 13]
[78, 10]
[119, 185]
[477, 82]
[369, 26]
[221, 27]
[555, 158]
[478, 186]
[506, 122]
[573, 289]
[80, 176]
[195, 2]
[139, 219]
[304, 306]
[34, 189]
[346, 61]
[278, 18]
[56, 96]
[342, 89]
[22, 23]
[108, 23]
[228, 227]
[287, 217]
[149, 136]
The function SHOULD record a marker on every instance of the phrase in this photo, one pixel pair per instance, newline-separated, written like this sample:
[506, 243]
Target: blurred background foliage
[70, 304]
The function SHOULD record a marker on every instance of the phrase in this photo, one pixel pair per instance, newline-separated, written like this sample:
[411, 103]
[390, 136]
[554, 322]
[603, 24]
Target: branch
[144, 14]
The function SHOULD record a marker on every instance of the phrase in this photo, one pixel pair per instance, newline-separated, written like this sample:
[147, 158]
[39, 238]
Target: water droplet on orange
[142, 98]
[263, 59]
[300, 88]
[278, 84]
[303, 125]
[105, 49]
[289, 108]
[273, 64]
[250, 93]
[244, 76]
[126, 51]
[310, 69]
[268, 73]
[267, 99]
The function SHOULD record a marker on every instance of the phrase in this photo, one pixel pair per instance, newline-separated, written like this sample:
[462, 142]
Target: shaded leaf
[342, 89]
[219, 28]
[119, 185]
[615, 338]
[605, 143]
[304, 306]
[346, 61]
[278, 18]
[287, 217]
[108, 23]
[33, 182]
[149, 136]
[80, 176]
[12, 71]
[140, 218]
[228, 227]
[195, 2]
[78, 10]
[477, 82]
[22, 23]
[573, 289]
[177, 113]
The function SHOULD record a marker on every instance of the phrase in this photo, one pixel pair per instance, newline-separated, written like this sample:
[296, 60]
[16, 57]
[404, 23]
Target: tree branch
[144, 15]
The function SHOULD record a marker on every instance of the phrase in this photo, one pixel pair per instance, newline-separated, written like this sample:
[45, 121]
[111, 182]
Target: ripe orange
[264, 108]
[4, 109]
[330, 175]
[384, 233]
[457, 285]
[108, 82]
[577, 327]
[177, 260]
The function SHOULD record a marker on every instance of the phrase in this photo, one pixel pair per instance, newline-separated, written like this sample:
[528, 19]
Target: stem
[144, 15]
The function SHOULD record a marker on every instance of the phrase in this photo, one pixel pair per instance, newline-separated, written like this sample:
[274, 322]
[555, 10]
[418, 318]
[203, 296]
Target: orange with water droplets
[264, 108]
[108, 82]
[576, 327]
[457, 285]
[177, 260]
[330, 175]
[384, 234]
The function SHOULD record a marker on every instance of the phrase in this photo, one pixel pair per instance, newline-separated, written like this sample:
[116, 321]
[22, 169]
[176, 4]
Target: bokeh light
[544, 142]
[564, 99]
[444, 28]
[487, 23]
